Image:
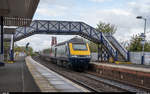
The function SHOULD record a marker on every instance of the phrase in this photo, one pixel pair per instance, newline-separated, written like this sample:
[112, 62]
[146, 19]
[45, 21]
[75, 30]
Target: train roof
[73, 40]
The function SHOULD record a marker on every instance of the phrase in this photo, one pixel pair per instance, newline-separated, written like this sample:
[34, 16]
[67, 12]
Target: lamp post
[143, 37]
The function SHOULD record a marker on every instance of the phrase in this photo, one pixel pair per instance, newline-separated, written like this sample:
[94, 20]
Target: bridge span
[108, 48]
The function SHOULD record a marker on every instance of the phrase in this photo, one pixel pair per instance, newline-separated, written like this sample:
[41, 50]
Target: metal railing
[121, 49]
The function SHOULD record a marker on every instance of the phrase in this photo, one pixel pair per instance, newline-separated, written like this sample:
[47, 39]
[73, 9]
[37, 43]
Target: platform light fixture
[143, 37]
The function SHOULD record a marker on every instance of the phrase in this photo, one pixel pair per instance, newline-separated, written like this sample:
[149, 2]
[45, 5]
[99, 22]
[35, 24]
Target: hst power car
[74, 53]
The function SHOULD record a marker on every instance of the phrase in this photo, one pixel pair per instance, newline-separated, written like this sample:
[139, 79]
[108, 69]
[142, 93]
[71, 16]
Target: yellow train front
[74, 53]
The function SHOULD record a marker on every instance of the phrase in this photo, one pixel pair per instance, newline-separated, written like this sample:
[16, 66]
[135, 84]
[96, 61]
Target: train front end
[79, 56]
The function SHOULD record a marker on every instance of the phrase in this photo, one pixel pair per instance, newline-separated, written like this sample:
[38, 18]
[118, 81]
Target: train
[74, 53]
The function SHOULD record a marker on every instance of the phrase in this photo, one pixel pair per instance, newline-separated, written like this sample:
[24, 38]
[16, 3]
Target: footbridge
[109, 47]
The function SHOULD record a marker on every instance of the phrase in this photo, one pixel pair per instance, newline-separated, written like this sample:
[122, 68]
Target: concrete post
[1, 39]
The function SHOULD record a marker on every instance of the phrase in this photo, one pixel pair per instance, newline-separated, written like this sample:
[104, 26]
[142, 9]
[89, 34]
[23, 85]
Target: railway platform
[132, 74]
[16, 78]
[49, 81]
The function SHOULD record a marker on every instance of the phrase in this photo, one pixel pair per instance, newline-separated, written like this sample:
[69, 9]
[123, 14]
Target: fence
[135, 57]
[94, 56]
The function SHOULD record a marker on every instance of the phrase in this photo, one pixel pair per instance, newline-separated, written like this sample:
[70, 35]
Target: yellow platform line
[120, 62]
[10, 62]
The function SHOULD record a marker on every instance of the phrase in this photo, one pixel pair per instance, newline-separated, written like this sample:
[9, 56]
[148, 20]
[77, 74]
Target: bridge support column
[128, 56]
[116, 57]
[11, 54]
[104, 55]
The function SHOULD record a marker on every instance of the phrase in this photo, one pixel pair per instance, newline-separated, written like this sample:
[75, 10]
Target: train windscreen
[79, 46]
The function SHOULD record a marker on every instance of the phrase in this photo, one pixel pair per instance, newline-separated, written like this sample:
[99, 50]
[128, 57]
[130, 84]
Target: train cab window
[79, 46]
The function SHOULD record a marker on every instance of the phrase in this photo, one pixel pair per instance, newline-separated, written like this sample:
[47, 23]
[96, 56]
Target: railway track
[91, 82]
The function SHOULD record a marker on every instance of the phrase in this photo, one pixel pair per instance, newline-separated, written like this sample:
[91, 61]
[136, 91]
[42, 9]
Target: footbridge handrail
[108, 44]
[122, 50]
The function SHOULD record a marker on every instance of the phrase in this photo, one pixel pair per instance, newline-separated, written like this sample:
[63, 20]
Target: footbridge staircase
[123, 54]
[111, 46]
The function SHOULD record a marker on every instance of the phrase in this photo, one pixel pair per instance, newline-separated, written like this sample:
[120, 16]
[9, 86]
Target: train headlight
[88, 56]
[74, 56]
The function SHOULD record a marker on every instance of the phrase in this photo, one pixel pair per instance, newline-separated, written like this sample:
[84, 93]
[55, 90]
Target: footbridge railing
[121, 49]
[65, 28]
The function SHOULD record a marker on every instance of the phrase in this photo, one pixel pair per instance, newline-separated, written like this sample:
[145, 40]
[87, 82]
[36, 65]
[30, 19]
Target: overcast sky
[121, 13]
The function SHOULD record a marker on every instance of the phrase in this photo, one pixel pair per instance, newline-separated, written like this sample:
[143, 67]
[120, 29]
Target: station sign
[142, 35]
[142, 42]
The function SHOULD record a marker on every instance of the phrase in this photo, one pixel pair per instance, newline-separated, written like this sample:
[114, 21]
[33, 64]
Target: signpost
[27, 48]
[143, 43]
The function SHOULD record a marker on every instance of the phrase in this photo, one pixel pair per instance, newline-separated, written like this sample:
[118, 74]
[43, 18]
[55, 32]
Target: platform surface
[135, 67]
[16, 78]
[52, 82]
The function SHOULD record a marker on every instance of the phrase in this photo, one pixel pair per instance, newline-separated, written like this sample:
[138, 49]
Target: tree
[47, 50]
[106, 28]
[135, 44]
[18, 49]
[30, 50]
[23, 49]
[93, 46]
